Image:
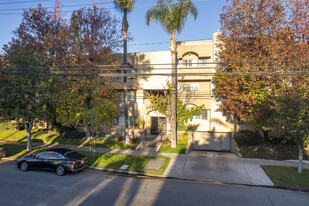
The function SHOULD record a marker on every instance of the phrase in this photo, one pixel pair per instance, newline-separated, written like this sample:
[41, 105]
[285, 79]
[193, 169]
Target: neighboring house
[193, 57]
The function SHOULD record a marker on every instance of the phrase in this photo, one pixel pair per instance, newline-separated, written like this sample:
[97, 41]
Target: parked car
[2, 152]
[59, 159]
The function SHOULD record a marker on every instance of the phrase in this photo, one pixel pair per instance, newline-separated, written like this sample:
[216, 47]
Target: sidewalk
[205, 166]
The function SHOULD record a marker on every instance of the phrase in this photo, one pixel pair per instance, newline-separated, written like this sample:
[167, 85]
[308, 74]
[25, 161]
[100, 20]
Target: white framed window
[191, 87]
[203, 115]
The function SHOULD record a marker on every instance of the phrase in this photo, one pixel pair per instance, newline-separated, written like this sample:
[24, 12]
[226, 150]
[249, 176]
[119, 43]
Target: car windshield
[73, 155]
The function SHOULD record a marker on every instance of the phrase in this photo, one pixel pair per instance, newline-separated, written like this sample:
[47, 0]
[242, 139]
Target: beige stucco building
[194, 57]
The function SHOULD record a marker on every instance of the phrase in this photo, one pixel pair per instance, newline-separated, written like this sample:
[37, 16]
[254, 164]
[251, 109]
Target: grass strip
[180, 149]
[287, 176]
[115, 161]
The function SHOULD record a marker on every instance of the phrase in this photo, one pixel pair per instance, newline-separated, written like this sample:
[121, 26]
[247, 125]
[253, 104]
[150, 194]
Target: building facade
[194, 57]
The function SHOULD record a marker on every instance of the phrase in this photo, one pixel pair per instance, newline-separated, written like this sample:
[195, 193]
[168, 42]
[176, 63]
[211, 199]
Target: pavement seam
[243, 164]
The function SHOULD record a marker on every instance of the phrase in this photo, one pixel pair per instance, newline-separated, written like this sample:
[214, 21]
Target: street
[92, 187]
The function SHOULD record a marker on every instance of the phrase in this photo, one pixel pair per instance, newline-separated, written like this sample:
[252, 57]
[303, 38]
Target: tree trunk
[125, 27]
[88, 134]
[28, 127]
[49, 126]
[173, 48]
[300, 159]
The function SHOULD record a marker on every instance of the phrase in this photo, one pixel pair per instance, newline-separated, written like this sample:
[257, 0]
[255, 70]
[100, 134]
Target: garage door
[213, 141]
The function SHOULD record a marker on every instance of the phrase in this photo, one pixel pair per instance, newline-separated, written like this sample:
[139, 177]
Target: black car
[60, 159]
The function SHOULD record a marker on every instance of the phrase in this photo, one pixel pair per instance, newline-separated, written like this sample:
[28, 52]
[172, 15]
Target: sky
[145, 38]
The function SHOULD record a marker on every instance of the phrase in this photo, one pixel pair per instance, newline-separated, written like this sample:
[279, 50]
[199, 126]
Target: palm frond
[170, 15]
[124, 5]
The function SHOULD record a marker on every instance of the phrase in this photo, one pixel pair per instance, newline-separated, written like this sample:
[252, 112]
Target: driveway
[218, 167]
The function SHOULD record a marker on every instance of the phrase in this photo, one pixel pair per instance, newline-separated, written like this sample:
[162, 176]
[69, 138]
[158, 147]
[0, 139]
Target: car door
[53, 160]
[39, 160]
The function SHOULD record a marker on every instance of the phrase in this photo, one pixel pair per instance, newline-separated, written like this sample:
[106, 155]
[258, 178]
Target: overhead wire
[136, 5]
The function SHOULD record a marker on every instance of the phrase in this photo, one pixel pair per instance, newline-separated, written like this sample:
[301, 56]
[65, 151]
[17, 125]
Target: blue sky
[203, 27]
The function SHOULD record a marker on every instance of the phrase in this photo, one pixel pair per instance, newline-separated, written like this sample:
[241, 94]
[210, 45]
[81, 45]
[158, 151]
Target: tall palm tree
[172, 17]
[125, 6]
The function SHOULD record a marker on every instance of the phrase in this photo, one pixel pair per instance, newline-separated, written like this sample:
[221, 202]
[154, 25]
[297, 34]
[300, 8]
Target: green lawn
[115, 161]
[16, 151]
[276, 152]
[103, 160]
[54, 137]
[180, 149]
[287, 176]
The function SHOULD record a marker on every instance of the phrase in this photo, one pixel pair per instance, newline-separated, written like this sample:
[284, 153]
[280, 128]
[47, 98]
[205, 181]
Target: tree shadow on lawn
[8, 137]
[18, 151]
[116, 161]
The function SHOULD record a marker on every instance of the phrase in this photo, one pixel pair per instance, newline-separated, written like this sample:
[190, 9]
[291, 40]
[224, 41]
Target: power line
[22, 2]
[138, 5]
[231, 74]
[148, 67]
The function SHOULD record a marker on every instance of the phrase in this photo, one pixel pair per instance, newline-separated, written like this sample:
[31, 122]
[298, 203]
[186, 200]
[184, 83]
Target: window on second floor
[187, 62]
[130, 96]
[201, 62]
[203, 115]
[191, 87]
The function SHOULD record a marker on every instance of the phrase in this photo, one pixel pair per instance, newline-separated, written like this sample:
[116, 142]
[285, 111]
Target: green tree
[23, 96]
[288, 112]
[186, 108]
[125, 6]
[85, 102]
[172, 17]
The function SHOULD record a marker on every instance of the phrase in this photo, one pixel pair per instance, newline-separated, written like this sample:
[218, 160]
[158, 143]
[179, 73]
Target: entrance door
[158, 125]
[154, 125]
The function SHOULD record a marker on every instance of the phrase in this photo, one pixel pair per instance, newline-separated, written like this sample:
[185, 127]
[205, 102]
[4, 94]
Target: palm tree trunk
[125, 27]
[173, 48]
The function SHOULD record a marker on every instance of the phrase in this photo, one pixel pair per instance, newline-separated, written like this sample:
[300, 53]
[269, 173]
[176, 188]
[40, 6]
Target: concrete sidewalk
[206, 166]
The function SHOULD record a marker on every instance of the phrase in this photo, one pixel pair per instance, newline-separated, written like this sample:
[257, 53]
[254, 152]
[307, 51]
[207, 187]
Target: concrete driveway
[218, 167]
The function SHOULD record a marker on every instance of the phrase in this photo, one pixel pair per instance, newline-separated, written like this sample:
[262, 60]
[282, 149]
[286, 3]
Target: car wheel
[60, 170]
[24, 166]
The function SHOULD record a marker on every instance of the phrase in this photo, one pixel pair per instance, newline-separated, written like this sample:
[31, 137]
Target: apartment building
[194, 57]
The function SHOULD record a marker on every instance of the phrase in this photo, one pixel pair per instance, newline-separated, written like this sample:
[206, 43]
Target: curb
[140, 174]
[125, 172]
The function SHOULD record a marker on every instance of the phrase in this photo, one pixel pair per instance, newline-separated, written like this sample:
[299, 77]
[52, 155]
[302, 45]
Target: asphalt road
[92, 187]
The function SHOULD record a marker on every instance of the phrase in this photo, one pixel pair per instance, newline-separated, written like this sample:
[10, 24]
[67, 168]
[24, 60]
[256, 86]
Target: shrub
[68, 132]
[19, 124]
[248, 138]
[6, 126]
[182, 138]
[274, 137]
